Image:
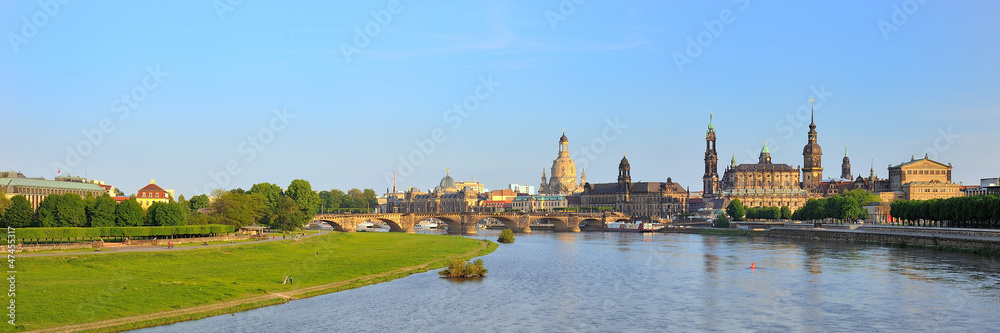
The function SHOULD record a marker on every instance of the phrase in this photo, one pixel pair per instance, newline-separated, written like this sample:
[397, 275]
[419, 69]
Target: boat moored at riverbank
[632, 226]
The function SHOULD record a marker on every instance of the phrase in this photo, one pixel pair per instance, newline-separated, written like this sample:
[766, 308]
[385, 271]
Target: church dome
[447, 182]
[624, 163]
[563, 138]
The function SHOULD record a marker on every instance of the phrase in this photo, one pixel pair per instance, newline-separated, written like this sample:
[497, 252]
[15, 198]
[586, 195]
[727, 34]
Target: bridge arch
[508, 222]
[338, 225]
[394, 226]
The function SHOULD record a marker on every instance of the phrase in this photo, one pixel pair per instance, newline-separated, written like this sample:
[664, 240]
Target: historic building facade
[922, 179]
[36, 189]
[153, 193]
[563, 180]
[652, 199]
[764, 184]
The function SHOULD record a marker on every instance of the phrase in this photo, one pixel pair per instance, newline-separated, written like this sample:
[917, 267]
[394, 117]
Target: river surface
[594, 281]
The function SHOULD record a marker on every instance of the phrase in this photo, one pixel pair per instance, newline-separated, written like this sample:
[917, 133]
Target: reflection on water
[659, 282]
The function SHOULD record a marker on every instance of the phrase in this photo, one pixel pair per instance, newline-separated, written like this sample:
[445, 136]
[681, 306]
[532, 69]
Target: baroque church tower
[845, 168]
[562, 180]
[624, 183]
[710, 180]
[812, 155]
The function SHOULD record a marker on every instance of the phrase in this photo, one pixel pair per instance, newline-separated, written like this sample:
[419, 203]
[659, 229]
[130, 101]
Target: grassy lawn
[71, 289]
[197, 244]
[107, 249]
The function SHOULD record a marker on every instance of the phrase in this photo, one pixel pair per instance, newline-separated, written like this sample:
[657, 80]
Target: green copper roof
[764, 150]
[28, 182]
[711, 125]
[733, 164]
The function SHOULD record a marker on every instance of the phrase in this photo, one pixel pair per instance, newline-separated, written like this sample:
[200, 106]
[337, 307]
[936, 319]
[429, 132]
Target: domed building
[447, 183]
[563, 180]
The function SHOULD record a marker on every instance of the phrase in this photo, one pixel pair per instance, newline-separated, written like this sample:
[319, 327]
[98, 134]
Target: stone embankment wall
[931, 237]
[943, 231]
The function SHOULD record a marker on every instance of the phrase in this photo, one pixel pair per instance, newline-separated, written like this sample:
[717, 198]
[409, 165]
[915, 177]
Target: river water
[593, 281]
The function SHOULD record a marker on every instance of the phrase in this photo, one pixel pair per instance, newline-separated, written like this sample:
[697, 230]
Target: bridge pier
[526, 230]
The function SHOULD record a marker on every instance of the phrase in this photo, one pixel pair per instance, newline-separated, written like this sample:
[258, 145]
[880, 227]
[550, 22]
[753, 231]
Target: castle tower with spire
[812, 156]
[710, 180]
[845, 167]
[624, 177]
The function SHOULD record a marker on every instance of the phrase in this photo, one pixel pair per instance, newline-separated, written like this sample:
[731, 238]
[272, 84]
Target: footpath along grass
[73, 289]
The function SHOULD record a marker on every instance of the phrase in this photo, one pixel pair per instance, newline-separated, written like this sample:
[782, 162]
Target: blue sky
[220, 95]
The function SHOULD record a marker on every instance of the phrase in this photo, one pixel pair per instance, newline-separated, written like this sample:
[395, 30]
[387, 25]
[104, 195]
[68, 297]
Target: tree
[300, 191]
[101, 211]
[66, 210]
[721, 221]
[237, 209]
[198, 202]
[286, 215]
[129, 213]
[736, 210]
[370, 197]
[270, 192]
[506, 236]
[786, 213]
[119, 193]
[19, 214]
[4, 202]
[184, 204]
[862, 197]
[166, 214]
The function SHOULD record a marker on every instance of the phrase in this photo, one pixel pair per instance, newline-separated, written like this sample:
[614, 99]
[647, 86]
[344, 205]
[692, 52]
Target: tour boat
[636, 226]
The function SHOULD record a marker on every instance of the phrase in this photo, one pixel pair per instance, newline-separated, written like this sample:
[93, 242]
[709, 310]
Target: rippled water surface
[659, 282]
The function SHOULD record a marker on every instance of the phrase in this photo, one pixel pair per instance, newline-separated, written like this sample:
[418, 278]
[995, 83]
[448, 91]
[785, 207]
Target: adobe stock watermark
[793, 123]
[223, 7]
[942, 143]
[40, 19]
[565, 9]
[455, 116]
[363, 36]
[123, 107]
[598, 145]
[900, 15]
[713, 29]
[248, 149]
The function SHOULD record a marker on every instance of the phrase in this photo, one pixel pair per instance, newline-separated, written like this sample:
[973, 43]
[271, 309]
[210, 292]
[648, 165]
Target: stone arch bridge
[465, 223]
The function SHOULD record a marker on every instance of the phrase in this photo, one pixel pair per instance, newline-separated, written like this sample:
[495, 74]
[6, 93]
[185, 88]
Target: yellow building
[764, 184]
[153, 193]
[922, 179]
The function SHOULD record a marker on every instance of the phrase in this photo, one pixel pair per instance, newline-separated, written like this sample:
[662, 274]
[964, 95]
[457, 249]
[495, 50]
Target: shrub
[506, 236]
[721, 221]
[458, 268]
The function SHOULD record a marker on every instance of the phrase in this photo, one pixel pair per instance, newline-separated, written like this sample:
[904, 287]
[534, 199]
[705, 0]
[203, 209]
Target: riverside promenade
[946, 238]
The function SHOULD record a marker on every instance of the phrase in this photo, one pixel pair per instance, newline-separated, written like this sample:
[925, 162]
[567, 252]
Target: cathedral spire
[812, 114]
